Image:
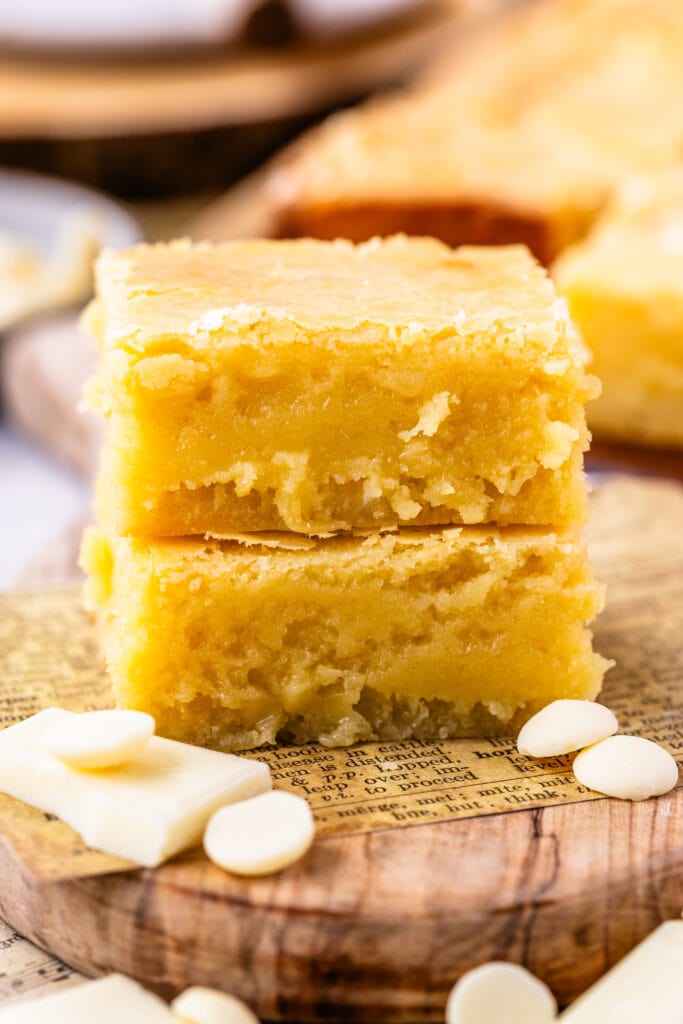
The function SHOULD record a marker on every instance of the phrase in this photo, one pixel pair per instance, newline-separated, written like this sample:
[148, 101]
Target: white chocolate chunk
[627, 767]
[111, 1000]
[500, 993]
[259, 836]
[146, 810]
[566, 725]
[100, 739]
[207, 1006]
[646, 987]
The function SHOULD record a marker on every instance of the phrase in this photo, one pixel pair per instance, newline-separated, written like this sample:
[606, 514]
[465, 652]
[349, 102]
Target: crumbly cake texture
[419, 633]
[319, 387]
[519, 136]
[624, 285]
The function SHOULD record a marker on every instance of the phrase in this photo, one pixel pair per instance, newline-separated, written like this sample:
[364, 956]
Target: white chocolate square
[111, 1000]
[646, 987]
[146, 810]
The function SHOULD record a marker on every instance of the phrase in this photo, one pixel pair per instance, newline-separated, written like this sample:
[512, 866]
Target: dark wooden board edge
[377, 927]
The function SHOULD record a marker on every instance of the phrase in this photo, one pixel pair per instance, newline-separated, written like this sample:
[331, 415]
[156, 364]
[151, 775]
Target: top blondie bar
[320, 387]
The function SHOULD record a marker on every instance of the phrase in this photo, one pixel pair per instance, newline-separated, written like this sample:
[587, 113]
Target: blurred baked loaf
[521, 135]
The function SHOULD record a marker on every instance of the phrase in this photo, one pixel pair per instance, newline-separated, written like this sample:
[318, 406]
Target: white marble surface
[39, 500]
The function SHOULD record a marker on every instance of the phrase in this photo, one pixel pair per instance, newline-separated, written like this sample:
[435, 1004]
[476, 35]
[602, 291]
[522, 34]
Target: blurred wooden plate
[71, 100]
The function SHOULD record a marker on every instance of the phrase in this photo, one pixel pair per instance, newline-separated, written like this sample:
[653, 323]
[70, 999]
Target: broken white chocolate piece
[100, 739]
[259, 836]
[207, 1006]
[646, 987]
[566, 725]
[111, 1000]
[500, 993]
[627, 767]
[146, 810]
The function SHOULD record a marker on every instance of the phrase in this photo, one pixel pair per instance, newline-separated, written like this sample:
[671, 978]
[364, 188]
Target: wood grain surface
[377, 927]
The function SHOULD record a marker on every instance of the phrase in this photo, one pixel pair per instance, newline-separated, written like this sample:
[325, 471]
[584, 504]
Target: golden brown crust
[458, 223]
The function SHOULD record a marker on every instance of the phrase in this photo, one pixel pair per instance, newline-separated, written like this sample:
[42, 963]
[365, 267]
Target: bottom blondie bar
[421, 633]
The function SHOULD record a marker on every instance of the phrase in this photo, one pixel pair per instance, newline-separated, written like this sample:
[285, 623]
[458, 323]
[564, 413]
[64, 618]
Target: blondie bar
[624, 284]
[320, 387]
[424, 633]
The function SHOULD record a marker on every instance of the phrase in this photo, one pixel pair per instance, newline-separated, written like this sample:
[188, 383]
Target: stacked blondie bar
[342, 493]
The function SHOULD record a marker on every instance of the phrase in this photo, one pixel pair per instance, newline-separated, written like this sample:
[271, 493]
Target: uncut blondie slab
[624, 285]
[423, 633]
[319, 387]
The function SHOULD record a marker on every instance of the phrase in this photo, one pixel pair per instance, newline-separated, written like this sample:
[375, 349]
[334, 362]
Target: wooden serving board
[411, 882]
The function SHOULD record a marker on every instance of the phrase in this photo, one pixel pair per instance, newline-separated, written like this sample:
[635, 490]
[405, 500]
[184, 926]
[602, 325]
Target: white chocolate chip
[261, 835]
[99, 739]
[566, 725]
[207, 1006]
[627, 767]
[500, 993]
